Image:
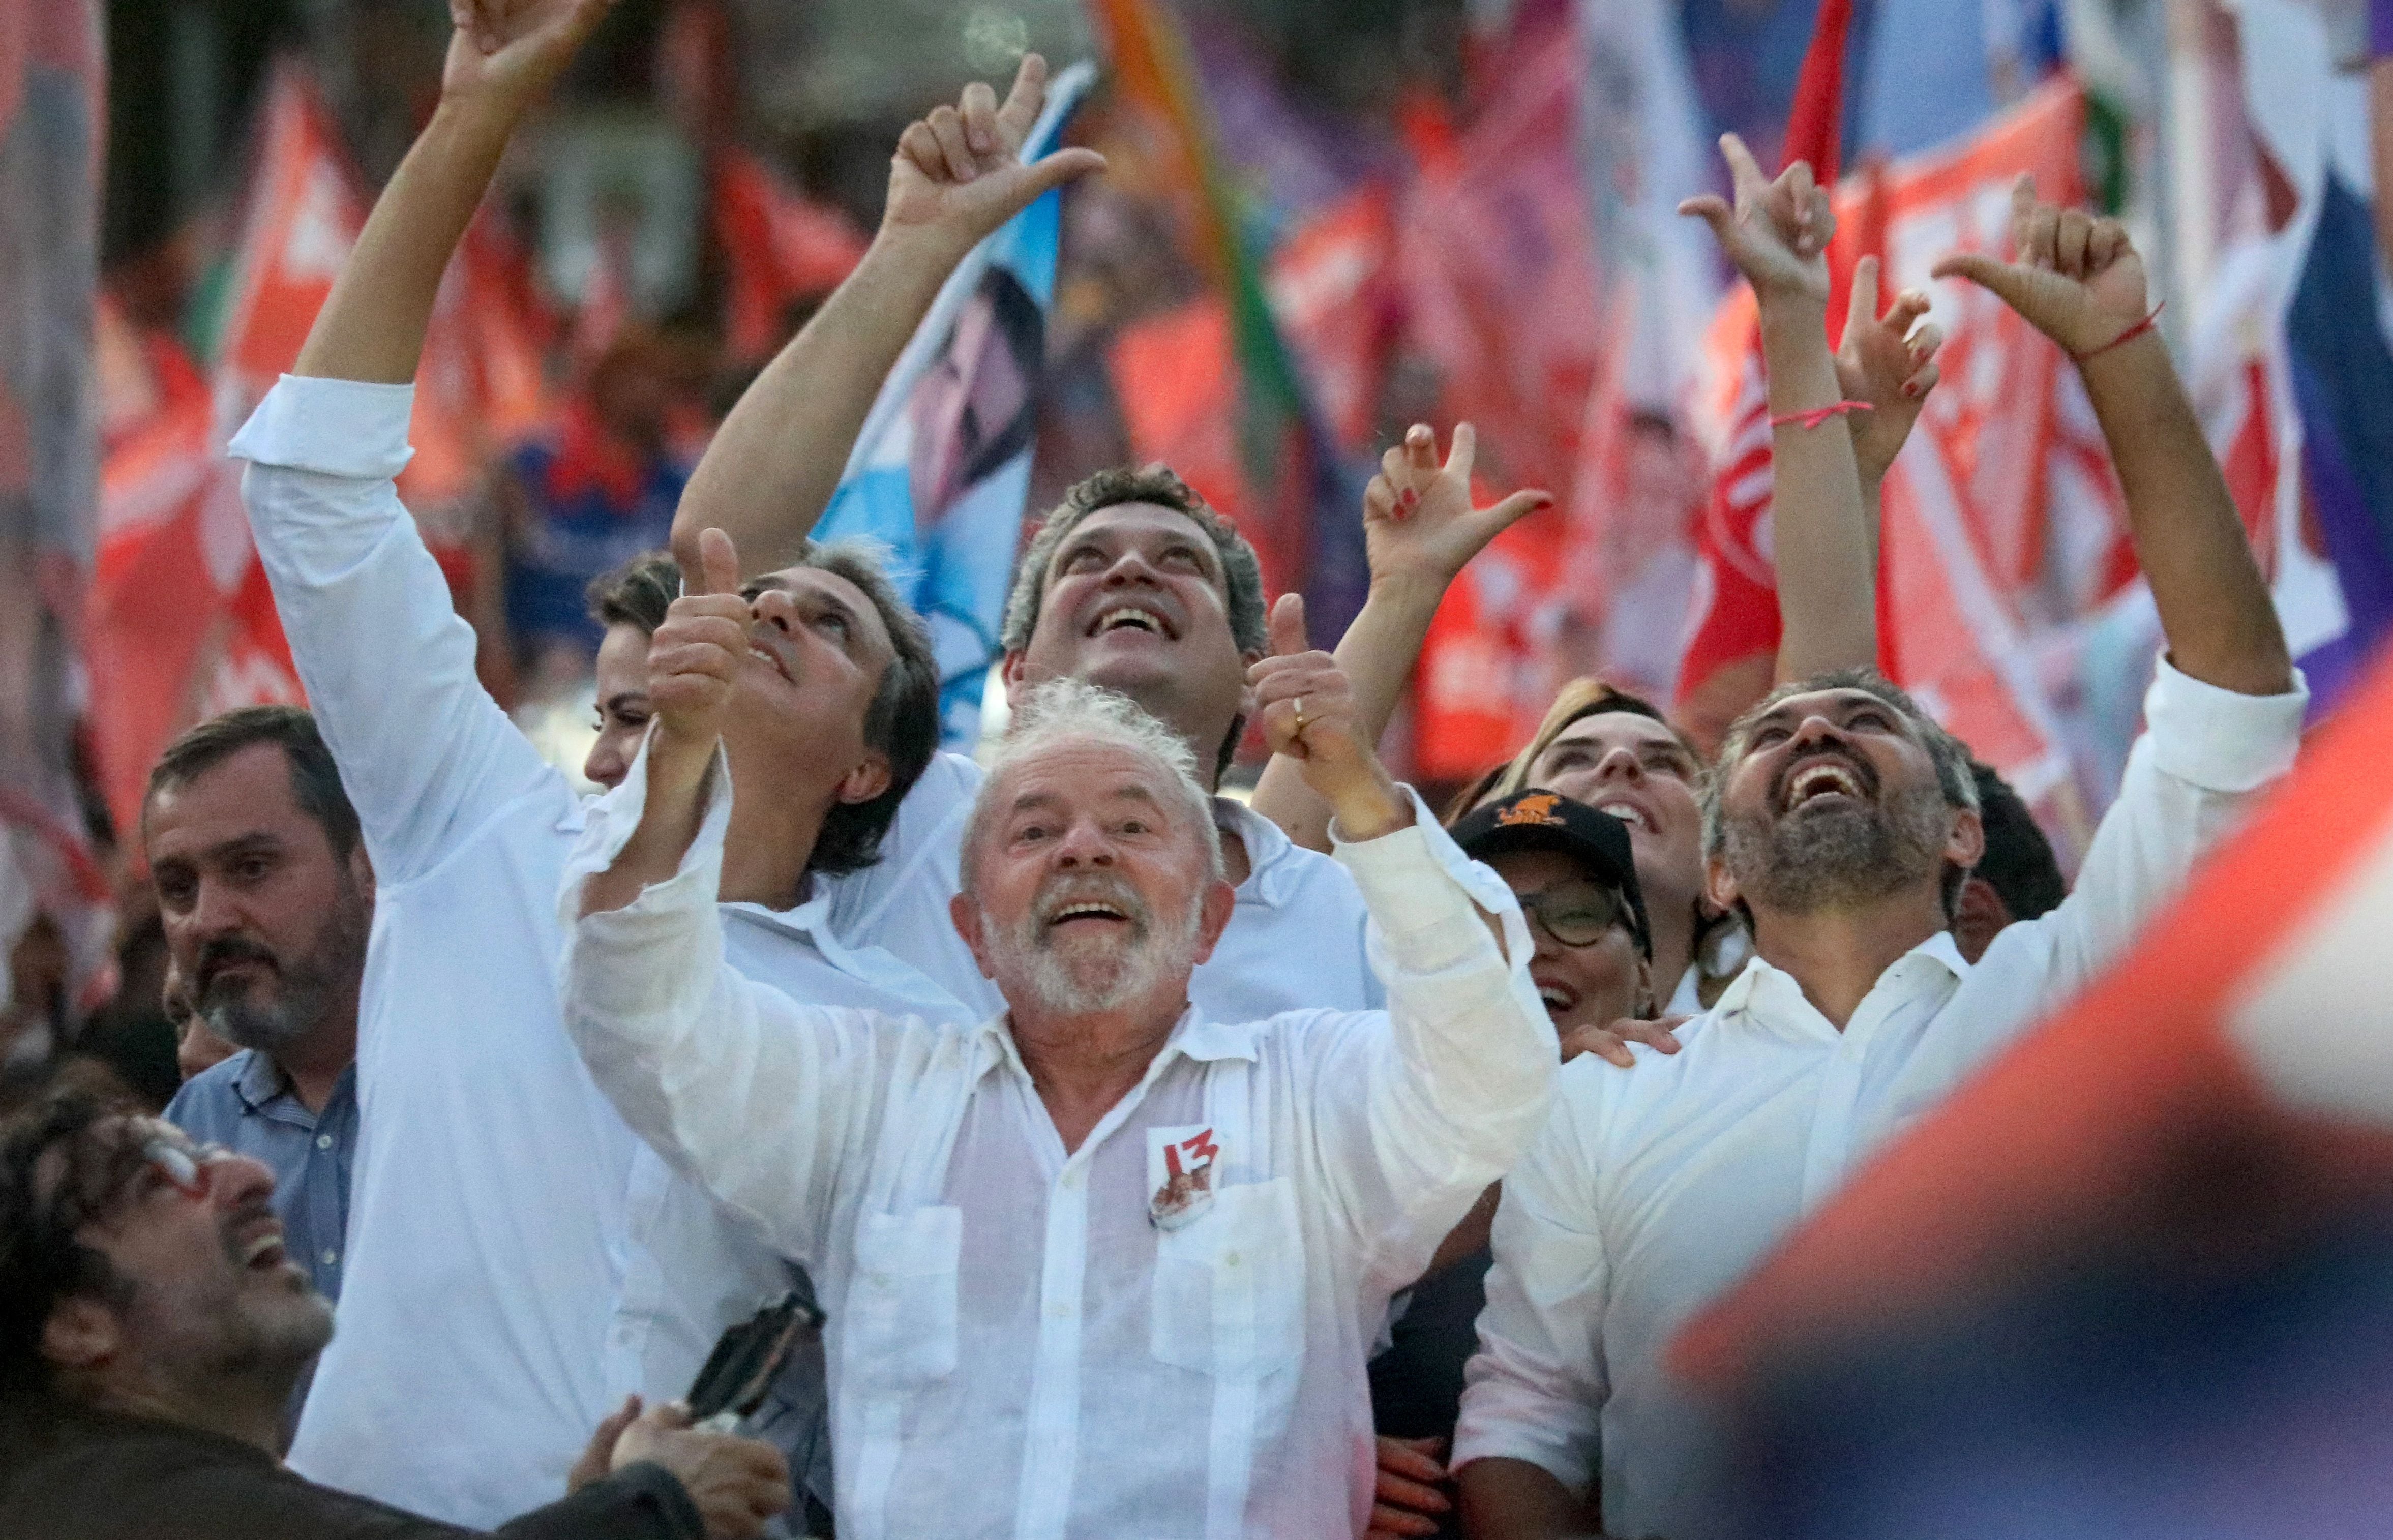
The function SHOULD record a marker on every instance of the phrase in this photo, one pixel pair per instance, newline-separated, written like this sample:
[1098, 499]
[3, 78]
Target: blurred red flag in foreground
[2249, 1023]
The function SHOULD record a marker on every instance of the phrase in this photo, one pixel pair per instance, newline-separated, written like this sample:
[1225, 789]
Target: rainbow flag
[1282, 449]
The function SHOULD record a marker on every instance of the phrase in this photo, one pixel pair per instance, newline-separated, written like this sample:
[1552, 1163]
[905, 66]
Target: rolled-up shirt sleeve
[1536, 1388]
[2206, 755]
[426, 756]
[1457, 1075]
[742, 1089]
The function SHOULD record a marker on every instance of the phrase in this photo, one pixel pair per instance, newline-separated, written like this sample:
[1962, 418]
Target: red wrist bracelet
[2130, 335]
[1818, 415]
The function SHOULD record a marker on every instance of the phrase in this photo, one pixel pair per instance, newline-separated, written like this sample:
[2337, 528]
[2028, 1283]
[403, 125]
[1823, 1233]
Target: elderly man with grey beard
[1099, 1265]
[1842, 823]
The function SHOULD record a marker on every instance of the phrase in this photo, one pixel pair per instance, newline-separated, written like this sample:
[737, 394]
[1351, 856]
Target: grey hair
[1955, 775]
[1065, 711]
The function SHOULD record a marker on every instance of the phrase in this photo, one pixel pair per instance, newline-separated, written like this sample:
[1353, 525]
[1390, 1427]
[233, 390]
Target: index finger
[1861, 308]
[1743, 169]
[1462, 454]
[1023, 102]
[718, 563]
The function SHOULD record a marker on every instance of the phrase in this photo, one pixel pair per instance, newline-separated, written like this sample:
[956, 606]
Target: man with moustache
[1107, 1263]
[1842, 823]
[267, 897]
[521, 1260]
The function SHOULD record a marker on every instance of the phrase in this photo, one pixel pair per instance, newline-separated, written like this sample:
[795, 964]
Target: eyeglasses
[188, 1169]
[1579, 914]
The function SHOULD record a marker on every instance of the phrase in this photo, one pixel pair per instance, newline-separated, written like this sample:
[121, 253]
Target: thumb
[671, 1414]
[1714, 211]
[2007, 282]
[1288, 626]
[1521, 504]
[1064, 165]
[718, 563]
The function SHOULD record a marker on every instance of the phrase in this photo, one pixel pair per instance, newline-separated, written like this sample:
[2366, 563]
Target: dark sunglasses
[1578, 914]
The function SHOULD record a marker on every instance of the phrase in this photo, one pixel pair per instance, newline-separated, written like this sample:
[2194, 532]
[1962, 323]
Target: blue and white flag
[942, 469]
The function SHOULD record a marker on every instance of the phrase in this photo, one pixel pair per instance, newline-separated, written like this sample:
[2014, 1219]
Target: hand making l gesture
[1776, 232]
[509, 50]
[958, 173]
[2075, 277]
[1889, 361]
[1417, 521]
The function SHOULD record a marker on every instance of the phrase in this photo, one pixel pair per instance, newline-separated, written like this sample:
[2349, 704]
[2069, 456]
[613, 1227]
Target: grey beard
[309, 984]
[1802, 864]
[1154, 954]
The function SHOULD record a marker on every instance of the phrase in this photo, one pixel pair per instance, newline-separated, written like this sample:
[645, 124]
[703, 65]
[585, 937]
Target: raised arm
[1420, 530]
[427, 755]
[957, 176]
[502, 57]
[1420, 1110]
[1777, 234]
[2079, 281]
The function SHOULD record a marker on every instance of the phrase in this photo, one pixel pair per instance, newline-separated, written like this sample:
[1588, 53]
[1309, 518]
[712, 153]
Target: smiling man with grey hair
[1105, 1263]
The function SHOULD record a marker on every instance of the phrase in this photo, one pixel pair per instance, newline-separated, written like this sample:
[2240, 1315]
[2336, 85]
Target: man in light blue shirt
[268, 897]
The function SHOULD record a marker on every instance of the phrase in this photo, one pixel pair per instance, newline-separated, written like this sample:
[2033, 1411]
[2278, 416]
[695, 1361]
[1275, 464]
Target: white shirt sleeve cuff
[1396, 871]
[351, 429]
[2218, 739]
[611, 821]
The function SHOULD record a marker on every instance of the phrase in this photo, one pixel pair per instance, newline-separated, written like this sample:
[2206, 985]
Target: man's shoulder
[153, 1472]
[209, 1105]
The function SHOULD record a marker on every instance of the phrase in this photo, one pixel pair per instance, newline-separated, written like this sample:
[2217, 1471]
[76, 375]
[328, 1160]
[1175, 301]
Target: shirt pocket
[901, 1309]
[1230, 1285]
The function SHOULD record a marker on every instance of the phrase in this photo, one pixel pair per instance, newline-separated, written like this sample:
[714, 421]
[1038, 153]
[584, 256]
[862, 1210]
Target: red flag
[781, 246]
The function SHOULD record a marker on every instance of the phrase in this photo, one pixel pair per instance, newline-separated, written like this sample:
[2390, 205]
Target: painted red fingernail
[1408, 497]
[1909, 388]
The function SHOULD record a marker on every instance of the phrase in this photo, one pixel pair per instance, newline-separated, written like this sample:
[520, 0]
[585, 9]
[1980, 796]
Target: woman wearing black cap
[1575, 874]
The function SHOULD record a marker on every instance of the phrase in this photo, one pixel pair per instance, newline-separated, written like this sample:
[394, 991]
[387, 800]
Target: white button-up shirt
[1015, 1347]
[516, 1259]
[1653, 1191]
[1294, 941]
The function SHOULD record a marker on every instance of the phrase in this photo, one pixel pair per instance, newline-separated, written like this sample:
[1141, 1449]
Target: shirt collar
[1270, 873]
[1772, 992]
[1193, 1036]
[260, 1082]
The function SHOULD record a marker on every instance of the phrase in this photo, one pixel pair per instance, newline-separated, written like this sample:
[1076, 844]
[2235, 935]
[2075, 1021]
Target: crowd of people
[1163, 1164]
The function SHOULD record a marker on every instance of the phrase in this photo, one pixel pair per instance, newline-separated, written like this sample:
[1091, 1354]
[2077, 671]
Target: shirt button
[1072, 1180]
[1060, 1311]
[330, 1256]
[323, 1141]
[1230, 1260]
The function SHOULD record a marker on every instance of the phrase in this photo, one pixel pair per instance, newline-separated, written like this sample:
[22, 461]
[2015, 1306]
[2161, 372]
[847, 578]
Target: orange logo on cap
[1537, 809]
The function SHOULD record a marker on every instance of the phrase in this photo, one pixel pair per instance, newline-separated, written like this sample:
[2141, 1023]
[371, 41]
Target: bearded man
[1101, 1264]
[267, 896]
[1842, 823]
